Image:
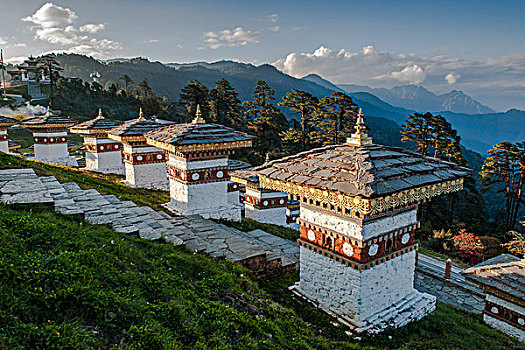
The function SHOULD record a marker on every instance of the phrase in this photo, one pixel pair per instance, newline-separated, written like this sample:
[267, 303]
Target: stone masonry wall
[461, 295]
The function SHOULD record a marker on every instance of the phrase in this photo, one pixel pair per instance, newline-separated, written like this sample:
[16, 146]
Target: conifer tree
[304, 104]
[335, 117]
[127, 83]
[505, 167]
[265, 121]
[225, 106]
[419, 128]
[52, 69]
[193, 94]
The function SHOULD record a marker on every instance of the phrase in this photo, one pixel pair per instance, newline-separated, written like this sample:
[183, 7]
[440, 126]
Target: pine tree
[335, 118]
[303, 104]
[127, 83]
[225, 106]
[419, 128]
[52, 69]
[193, 94]
[265, 122]
[505, 166]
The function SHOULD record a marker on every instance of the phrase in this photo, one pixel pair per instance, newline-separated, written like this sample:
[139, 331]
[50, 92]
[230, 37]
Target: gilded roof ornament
[198, 119]
[141, 115]
[360, 137]
[100, 116]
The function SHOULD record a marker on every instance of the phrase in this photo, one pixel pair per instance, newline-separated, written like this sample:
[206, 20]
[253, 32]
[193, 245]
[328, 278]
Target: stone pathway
[260, 251]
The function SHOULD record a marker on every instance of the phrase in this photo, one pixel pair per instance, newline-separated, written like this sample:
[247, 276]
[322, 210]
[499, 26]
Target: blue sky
[475, 46]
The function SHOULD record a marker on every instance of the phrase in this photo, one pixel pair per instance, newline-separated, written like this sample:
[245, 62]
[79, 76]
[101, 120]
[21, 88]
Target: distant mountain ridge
[418, 98]
[478, 131]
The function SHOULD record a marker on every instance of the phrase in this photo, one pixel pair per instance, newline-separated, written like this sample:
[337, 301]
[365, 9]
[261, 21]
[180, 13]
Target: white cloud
[274, 18]
[490, 79]
[20, 45]
[3, 41]
[411, 74]
[230, 38]
[154, 41]
[51, 15]
[451, 78]
[275, 28]
[54, 24]
[92, 28]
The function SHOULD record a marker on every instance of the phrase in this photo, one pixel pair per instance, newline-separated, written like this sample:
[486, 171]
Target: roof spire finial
[141, 115]
[360, 137]
[267, 160]
[100, 116]
[198, 119]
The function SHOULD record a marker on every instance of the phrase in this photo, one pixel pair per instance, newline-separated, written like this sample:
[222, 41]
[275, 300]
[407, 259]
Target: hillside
[118, 291]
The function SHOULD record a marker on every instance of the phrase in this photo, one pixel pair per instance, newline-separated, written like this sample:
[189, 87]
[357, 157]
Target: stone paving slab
[22, 186]
[195, 232]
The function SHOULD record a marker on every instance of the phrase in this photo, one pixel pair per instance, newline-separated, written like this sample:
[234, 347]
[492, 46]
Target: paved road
[438, 267]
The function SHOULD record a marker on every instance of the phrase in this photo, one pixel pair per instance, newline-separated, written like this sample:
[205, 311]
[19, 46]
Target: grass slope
[66, 283]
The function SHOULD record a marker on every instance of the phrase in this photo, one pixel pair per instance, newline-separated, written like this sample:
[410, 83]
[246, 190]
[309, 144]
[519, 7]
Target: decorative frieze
[233, 187]
[344, 258]
[103, 148]
[504, 314]
[371, 207]
[50, 140]
[357, 251]
[144, 158]
[198, 176]
[265, 203]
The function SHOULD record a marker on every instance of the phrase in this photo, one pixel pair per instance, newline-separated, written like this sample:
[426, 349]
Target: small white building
[264, 205]
[198, 167]
[5, 123]
[103, 154]
[50, 138]
[502, 278]
[357, 226]
[145, 165]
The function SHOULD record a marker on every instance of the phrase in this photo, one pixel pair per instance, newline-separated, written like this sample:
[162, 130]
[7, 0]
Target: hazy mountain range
[479, 126]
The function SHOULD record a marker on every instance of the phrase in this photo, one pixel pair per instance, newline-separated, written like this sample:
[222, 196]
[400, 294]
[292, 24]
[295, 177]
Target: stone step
[258, 250]
[23, 186]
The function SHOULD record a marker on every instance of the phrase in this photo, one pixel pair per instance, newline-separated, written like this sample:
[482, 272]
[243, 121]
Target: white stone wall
[210, 200]
[260, 195]
[4, 145]
[51, 152]
[147, 175]
[358, 295]
[369, 300]
[199, 196]
[197, 164]
[352, 229]
[104, 162]
[275, 216]
[504, 326]
[146, 149]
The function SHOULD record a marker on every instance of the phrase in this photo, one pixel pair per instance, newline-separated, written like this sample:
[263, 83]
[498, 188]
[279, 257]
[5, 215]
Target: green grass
[66, 283]
[69, 284]
[249, 225]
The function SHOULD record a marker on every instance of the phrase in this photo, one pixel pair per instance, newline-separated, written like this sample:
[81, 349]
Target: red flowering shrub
[469, 247]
